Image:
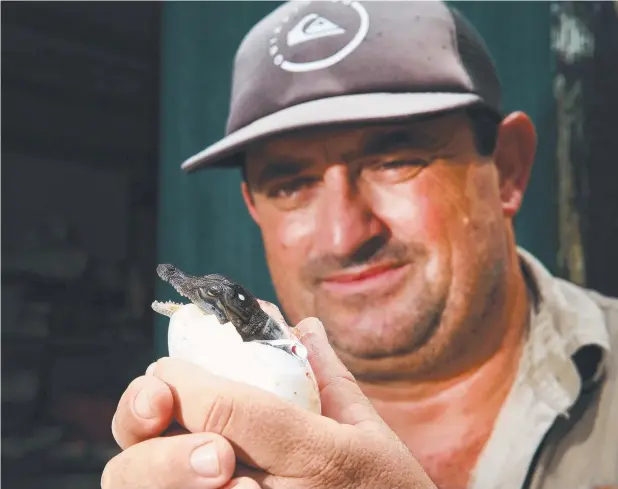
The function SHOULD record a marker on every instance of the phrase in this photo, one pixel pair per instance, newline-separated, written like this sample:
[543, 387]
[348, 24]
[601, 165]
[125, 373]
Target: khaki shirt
[558, 428]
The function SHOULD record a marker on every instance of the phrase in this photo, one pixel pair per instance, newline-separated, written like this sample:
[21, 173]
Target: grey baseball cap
[324, 63]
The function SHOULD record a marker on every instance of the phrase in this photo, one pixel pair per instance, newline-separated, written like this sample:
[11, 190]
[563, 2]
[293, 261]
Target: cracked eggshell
[199, 338]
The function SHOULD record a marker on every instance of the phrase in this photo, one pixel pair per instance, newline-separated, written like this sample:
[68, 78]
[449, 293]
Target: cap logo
[314, 26]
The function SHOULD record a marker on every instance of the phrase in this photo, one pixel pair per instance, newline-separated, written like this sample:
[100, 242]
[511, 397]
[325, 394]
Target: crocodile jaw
[167, 308]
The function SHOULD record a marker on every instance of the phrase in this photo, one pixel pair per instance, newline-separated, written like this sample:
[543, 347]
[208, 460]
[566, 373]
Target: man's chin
[396, 325]
[376, 350]
[371, 345]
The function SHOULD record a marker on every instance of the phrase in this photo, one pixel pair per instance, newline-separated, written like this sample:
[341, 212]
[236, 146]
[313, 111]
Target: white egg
[198, 337]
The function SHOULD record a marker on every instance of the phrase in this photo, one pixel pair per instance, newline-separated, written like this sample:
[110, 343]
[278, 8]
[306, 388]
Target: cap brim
[346, 109]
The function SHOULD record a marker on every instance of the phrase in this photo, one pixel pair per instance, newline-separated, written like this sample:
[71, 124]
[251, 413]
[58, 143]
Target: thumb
[342, 398]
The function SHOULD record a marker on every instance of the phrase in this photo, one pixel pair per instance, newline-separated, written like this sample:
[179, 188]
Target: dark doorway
[79, 193]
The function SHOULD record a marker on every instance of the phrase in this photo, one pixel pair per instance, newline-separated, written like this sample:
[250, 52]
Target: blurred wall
[203, 225]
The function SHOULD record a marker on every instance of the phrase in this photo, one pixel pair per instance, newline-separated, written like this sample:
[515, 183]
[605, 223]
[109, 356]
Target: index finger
[144, 411]
[266, 431]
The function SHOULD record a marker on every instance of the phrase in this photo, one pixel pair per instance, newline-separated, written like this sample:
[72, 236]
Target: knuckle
[218, 415]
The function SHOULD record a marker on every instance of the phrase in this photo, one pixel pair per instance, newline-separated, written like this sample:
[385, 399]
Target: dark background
[80, 130]
[102, 101]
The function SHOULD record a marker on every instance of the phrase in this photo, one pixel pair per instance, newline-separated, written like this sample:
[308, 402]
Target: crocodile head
[228, 301]
[214, 294]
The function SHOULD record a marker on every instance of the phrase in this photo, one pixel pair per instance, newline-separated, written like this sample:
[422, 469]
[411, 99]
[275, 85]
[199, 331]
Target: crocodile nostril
[165, 271]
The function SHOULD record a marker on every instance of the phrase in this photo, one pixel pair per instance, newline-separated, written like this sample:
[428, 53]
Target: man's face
[393, 235]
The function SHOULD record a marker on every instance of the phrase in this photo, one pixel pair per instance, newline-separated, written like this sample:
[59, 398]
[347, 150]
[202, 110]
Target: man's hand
[253, 435]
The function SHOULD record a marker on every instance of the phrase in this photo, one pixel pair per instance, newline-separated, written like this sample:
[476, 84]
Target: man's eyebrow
[386, 141]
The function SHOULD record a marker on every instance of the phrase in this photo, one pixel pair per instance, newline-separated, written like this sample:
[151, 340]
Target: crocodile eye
[211, 292]
[241, 297]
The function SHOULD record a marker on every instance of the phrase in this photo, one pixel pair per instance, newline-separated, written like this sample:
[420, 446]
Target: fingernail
[142, 406]
[151, 368]
[205, 460]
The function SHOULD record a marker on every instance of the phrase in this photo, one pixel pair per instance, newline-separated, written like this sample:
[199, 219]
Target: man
[384, 178]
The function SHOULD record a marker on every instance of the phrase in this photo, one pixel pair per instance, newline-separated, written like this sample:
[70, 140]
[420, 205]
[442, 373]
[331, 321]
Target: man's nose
[346, 222]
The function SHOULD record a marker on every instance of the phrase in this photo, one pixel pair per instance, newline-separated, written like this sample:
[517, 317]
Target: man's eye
[395, 164]
[397, 170]
[289, 189]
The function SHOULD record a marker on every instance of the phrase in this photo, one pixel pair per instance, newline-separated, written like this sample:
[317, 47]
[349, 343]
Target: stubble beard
[427, 337]
[388, 340]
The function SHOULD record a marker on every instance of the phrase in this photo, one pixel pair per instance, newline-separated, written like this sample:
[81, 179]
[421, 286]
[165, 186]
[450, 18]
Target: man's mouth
[365, 279]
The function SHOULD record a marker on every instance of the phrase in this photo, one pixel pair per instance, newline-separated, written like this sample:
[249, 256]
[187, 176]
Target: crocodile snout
[166, 271]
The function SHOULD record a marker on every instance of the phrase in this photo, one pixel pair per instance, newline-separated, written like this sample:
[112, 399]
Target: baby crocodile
[228, 301]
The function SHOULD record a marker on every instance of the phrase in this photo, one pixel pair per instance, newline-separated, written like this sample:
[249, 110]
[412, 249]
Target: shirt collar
[564, 323]
[567, 331]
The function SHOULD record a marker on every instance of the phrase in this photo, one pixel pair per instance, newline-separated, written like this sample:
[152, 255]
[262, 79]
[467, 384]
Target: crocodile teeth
[166, 308]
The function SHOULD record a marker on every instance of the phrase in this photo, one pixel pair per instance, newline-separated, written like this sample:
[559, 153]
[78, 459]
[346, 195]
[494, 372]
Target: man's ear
[249, 202]
[514, 157]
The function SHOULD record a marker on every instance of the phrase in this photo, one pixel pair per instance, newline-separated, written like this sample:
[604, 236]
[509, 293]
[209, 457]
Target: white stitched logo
[314, 26]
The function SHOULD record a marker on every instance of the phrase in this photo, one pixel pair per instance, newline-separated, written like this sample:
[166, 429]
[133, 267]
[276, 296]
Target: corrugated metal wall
[203, 225]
